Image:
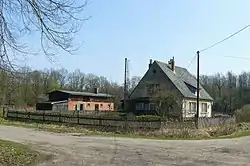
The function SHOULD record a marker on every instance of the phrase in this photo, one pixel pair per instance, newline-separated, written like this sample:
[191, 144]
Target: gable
[154, 75]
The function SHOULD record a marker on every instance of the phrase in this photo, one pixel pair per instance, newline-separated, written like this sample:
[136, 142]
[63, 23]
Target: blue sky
[160, 29]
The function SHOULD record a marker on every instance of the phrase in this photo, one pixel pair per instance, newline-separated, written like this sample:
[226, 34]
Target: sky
[144, 29]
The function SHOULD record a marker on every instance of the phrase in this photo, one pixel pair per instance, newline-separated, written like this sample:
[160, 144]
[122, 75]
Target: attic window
[192, 89]
[154, 71]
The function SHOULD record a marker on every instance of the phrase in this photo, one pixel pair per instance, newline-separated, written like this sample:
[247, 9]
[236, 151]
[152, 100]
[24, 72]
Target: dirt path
[73, 150]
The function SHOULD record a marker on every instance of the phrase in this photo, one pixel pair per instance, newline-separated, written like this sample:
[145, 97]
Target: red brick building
[82, 101]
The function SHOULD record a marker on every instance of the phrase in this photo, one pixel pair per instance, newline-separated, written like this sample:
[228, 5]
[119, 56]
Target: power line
[191, 61]
[188, 66]
[237, 57]
[215, 44]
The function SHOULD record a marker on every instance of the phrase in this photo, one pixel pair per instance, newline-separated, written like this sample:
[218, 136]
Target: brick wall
[103, 106]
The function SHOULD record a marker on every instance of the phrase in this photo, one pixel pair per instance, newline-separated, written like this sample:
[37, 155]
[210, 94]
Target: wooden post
[60, 116]
[16, 115]
[44, 115]
[100, 121]
[198, 87]
[78, 120]
[4, 112]
[28, 115]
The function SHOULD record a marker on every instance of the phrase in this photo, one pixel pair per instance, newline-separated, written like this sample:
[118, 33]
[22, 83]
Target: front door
[97, 107]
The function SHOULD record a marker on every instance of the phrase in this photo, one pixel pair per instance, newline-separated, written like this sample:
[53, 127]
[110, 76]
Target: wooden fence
[112, 122]
[218, 121]
[83, 120]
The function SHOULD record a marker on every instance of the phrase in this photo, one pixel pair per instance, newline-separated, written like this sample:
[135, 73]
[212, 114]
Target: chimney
[96, 90]
[150, 63]
[173, 65]
[171, 62]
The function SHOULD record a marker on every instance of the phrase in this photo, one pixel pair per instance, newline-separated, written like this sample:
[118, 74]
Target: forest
[26, 87]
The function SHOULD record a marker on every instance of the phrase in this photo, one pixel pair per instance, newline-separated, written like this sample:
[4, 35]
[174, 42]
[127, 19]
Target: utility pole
[230, 98]
[198, 86]
[125, 84]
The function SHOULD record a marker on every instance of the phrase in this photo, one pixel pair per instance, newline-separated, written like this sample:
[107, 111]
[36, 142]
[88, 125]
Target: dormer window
[192, 88]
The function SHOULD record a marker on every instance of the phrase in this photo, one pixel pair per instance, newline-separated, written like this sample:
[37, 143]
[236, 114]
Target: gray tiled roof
[84, 93]
[180, 78]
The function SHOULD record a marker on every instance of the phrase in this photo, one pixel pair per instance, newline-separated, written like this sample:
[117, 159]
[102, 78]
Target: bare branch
[56, 21]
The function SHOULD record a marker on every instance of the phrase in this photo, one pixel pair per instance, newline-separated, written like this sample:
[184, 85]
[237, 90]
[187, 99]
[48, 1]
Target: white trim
[58, 102]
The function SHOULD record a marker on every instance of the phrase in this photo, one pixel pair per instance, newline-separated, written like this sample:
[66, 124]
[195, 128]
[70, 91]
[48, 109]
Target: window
[139, 106]
[184, 106]
[152, 106]
[191, 88]
[88, 105]
[192, 107]
[153, 88]
[101, 105]
[146, 106]
[150, 88]
[204, 107]
[157, 87]
[81, 107]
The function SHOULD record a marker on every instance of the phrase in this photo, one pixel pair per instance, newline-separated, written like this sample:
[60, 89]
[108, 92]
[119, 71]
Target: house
[162, 76]
[72, 100]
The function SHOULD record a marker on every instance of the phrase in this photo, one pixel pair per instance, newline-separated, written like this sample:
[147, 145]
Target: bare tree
[219, 81]
[134, 82]
[56, 21]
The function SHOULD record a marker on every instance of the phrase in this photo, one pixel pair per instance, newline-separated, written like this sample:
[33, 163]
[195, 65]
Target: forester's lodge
[161, 77]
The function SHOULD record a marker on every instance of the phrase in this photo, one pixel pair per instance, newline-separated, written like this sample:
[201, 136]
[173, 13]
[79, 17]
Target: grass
[14, 154]
[236, 135]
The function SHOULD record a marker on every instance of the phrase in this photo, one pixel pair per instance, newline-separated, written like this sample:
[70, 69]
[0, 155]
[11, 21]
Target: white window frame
[192, 107]
[204, 105]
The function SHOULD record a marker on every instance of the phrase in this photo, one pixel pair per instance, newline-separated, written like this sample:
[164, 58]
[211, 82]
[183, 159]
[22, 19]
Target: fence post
[60, 116]
[16, 115]
[126, 125]
[44, 115]
[100, 121]
[78, 120]
[4, 112]
[28, 115]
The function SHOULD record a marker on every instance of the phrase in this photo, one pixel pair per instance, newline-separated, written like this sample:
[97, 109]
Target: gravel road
[80, 150]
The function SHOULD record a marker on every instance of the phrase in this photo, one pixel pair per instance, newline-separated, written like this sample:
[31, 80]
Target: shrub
[221, 130]
[243, 114]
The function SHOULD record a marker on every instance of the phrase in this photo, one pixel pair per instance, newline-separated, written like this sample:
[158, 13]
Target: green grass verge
[14, 154]
[237, 134]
